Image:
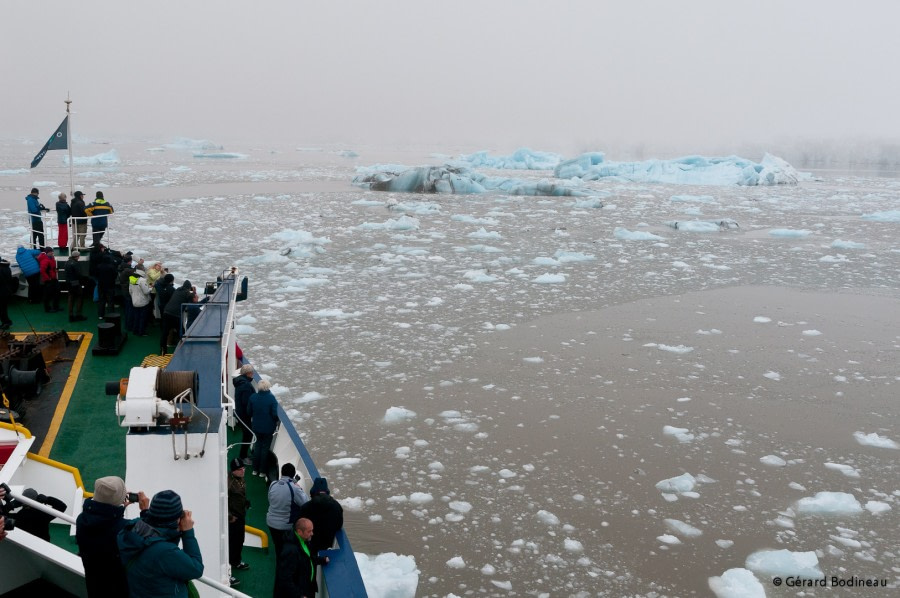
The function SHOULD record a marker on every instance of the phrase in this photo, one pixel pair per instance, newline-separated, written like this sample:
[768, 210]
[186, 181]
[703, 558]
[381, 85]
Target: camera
[133, 497]
[9, 524]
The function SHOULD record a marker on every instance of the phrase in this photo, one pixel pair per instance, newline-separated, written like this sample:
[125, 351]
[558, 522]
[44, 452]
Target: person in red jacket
[49, 280]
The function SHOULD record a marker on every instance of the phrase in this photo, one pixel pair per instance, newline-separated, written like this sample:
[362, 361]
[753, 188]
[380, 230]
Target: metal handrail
[42, 507]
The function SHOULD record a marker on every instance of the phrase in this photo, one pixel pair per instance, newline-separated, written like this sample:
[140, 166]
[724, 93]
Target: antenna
[69, 143]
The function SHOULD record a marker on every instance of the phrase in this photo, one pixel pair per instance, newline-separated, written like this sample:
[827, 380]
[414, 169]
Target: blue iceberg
[689, 170]
[456, 180]
[521, 159]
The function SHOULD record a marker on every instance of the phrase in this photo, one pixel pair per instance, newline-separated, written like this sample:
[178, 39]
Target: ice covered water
[495, 385]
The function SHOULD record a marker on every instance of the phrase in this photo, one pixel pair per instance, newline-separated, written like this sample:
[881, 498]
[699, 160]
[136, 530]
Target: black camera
[133, 497]
[9, 524]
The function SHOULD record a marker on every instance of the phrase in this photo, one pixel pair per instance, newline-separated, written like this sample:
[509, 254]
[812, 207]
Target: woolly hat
[236, 464]
[75, 254]
[99, 194]
[165, 508]
[320, 485]
[110, 490]
[30, 493]
[168, 277]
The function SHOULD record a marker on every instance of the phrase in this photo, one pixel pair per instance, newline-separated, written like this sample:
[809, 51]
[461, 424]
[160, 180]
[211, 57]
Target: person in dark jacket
[126, 271]
[35, 207]
[96, 532]
[148, 546]
[7, 282]
[326, 514]
[243, 388]
[172, 312]
[105, 273]
[263, 410]
[27, 260]
[75, 287]
[98, 211]
[164, 290]
[80, 223]
[237, 517]
[49, 280]
[63, 211]
[33, 521]
[295, 567]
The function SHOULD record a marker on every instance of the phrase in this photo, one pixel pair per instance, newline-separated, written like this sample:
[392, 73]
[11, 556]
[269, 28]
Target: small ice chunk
[784, 563]
[737, 583]
[876, 507]
[456, 562]
[683, 483]
[398, 414]
[547, 517]
[829, 503]
[668, 539]
[685, 529]
[682, 434]
[875, 440]
[773, 460]
[847, 470]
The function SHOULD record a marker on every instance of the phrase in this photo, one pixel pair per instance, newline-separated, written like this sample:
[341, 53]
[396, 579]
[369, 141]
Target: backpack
[295, 509]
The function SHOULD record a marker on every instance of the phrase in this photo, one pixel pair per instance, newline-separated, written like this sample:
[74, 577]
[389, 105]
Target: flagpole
[69, 143]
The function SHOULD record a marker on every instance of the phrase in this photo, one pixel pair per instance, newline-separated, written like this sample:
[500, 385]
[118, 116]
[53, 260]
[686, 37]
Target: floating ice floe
[627, 235]
[690, 170]
[398, 414]
[455, 180]
[345, 462]
[702, 226]
[784, 563]
[388, 574]
[105, 159]
[790, 233]
[875, 440]
[220, 155]
[737, 583]
[877, 507]
[677, 485]
[847, 470]
[684, 529]
[682, 434]
[829, 503]
[185, 143]
[773, 460]
[521, 159]
[839, 244]
[887, 216]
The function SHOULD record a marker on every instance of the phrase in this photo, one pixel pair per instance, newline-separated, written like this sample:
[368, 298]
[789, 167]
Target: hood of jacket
[138, 535]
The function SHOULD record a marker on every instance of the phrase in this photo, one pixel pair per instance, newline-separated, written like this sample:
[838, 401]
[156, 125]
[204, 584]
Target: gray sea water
[496, 385]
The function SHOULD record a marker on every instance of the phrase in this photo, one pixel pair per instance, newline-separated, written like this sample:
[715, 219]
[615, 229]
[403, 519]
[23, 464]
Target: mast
[69, 143]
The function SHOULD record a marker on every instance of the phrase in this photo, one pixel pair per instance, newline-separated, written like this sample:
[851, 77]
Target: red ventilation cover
[6, 449]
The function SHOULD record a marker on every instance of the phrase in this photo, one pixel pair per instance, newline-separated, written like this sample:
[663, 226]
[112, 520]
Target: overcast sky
[555, 75]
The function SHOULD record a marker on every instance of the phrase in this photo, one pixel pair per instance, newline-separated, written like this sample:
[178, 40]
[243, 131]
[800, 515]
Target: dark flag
[59, 140]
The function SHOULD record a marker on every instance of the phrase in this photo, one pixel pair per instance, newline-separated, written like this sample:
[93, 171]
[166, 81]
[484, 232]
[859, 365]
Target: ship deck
[77, 424]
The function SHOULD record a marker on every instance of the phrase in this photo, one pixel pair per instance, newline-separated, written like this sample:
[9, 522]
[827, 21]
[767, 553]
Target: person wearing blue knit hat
[149, 549]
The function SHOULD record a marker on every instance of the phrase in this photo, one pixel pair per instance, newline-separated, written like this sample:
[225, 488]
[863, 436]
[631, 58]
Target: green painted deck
[91, 440]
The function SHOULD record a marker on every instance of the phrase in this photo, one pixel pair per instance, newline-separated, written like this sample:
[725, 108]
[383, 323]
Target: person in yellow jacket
[98, 211]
